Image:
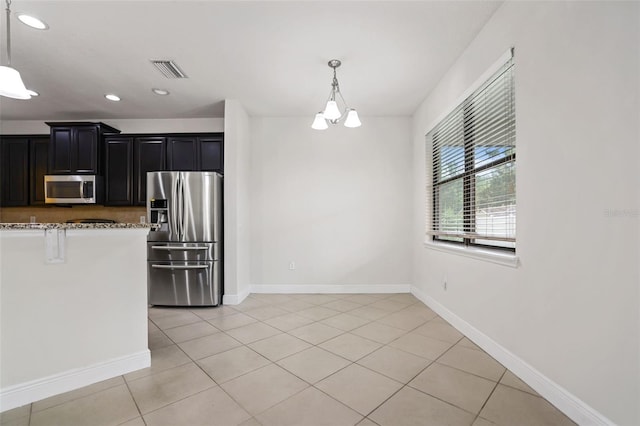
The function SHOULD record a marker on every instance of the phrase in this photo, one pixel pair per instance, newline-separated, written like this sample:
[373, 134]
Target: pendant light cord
[8, 32]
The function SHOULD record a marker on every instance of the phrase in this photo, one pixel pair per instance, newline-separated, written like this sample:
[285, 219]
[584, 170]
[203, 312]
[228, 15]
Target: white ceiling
[271, 56]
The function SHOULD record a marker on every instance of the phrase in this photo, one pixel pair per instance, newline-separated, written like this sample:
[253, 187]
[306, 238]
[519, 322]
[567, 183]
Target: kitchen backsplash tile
[55, 214]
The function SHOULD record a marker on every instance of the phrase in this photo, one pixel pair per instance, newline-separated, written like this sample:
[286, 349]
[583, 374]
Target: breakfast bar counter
[73, 306]
[31, 226]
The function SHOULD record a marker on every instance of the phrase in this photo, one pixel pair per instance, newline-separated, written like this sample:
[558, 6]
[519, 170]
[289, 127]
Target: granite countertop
[12, 226]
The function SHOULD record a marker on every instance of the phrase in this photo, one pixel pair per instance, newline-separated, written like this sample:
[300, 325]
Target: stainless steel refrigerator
[184, 256]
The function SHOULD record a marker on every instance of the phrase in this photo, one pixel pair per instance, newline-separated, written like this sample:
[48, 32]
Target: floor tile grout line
[216, 384]
[182, 399]
[469, 372]
[31, 411]
[537, 395]
[195, 338]
[279, 402]
[436, 361]
[408, 384]
[134, 400]
[489, 396]
[375, 423]
[230, 396]
[349, 365]
[392, 378]
[384, 402]
[243, 374]
[460, 369]
[445, 401]
[337, 400]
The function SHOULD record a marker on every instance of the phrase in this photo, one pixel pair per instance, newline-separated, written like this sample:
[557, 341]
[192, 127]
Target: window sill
[506, 259]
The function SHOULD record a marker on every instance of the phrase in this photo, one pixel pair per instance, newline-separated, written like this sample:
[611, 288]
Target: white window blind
[472, 199]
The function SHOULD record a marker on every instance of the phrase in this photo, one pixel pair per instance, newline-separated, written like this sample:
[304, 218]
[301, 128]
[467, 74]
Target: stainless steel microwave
[72, 189]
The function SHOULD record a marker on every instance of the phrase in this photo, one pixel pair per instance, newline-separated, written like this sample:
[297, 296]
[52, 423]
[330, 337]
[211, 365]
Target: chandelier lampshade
[11, 84]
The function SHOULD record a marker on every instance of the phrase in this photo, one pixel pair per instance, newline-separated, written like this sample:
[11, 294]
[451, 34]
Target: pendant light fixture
[332, 113]
[11, 84]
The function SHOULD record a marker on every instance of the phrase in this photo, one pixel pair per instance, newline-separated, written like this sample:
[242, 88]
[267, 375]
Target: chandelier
[11, 84]
[332, 113]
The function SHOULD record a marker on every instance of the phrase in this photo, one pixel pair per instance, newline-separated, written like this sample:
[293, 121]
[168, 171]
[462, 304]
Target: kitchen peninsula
[73, 306]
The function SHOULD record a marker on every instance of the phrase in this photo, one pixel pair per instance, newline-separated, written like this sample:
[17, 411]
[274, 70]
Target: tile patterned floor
[308, 360]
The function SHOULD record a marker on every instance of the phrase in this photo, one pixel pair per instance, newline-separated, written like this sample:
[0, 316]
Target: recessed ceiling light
[161, 92]
[33, 92]
[112, 97]
[32, 21]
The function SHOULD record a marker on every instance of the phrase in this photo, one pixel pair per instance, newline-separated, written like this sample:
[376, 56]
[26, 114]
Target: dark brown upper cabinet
[128, 159]
[14, 158]
[118, 175]
[182, 153]
[76, 147]
[212, 153]
[150, 155]
[23, 164]
[195, 153]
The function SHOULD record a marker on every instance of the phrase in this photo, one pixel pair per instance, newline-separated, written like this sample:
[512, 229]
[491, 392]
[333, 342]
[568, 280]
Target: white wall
[236, 203]
[174, 125]
[71, 324]
[571, 309]
[334, 202]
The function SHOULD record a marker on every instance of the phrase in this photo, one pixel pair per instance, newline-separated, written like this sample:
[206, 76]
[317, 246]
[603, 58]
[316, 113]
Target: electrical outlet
[292, 265]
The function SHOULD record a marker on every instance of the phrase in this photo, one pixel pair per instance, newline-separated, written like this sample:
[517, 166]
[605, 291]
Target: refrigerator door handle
[179, 248]
[174, 208]
[182, 213]
[181, 206]
[180, 266]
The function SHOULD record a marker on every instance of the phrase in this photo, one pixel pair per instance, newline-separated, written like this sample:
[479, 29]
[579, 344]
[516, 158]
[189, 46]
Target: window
[472, 199]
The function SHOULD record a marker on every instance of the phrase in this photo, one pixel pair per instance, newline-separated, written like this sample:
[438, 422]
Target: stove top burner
[89, 220]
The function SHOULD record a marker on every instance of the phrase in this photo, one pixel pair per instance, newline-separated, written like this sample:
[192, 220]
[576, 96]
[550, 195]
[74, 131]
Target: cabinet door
[38, 162]
[15, 171]
[182, 153]
[211, 154]
[85, 148]
[149, 156]
[119, 171]
[61, 150]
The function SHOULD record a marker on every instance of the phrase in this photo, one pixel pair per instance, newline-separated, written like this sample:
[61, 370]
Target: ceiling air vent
[168, 68]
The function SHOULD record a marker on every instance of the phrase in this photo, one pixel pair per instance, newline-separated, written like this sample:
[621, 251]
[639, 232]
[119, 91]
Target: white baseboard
[35, 390]
[329, 288]
[572, 406]
[235, 299]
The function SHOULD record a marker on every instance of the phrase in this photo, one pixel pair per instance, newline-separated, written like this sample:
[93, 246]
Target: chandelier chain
[8, 32]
